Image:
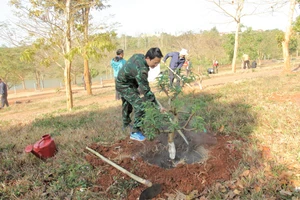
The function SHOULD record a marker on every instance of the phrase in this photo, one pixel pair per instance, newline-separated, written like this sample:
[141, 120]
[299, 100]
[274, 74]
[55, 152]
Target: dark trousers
[188, 71]
[118, 96]
[4, 100]
[215, 69]
[246, 64]
[173, 76]
[131, 100]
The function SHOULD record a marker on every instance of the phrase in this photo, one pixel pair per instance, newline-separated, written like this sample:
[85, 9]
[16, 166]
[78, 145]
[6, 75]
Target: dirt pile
[196, 166]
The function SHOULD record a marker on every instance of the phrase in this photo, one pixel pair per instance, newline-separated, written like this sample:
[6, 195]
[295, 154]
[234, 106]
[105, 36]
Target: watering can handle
[44, 137]
[40, 142]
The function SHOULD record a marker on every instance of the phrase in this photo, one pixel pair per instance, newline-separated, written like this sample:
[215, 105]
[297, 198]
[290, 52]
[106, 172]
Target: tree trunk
[42, 81]
[37, 79]
[67, 71]
[23, 81]
[237, 18]
[288, 33]
[23, 84]
[87, 76]
[236, 46]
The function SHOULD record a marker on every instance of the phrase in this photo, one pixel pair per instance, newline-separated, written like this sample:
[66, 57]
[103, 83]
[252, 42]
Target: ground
[220, 161]
[213, 157]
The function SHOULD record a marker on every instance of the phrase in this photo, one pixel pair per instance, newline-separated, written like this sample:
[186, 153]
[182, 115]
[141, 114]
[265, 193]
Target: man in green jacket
[134, 75]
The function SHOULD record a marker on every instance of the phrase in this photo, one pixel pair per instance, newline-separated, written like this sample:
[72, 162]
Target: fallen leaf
[203, 198]
[221, 129]
[285, 193]
[236, 191]
[266, 152]
[257, 189]
[240, 184]
[223, 189]
[245, 173]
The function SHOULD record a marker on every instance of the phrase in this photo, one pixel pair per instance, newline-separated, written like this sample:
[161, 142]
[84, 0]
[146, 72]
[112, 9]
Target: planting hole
[195, 152]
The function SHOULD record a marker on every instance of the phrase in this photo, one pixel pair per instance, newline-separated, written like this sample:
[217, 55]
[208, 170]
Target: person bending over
[134, 75]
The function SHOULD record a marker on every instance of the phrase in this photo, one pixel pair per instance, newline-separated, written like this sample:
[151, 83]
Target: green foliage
[259, 44]
[293, 44]
[94, 72]
[296, 25]
[229, 45]
[58, 124]
[153, 120]
[70, 176]
[99, 43]
[27, 55]
[12, 68]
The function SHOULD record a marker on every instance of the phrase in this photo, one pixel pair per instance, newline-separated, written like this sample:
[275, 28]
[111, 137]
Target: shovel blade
[151, 192]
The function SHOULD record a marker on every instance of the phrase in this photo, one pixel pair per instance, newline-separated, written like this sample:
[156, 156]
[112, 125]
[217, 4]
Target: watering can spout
[44, 148]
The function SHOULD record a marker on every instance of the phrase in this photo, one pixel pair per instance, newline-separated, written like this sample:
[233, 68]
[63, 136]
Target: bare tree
[287, 37]
[235, 9]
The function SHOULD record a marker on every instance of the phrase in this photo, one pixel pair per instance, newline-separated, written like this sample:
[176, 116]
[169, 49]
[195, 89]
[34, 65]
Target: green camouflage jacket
[134, 74]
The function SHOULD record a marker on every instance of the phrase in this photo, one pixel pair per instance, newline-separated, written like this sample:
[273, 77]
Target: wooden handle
[135, 177]
[179, 76]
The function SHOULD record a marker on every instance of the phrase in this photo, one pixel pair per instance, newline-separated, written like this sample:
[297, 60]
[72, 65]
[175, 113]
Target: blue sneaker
[137, 136]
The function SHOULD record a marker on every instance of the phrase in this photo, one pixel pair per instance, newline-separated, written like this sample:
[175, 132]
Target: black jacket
[3, 89]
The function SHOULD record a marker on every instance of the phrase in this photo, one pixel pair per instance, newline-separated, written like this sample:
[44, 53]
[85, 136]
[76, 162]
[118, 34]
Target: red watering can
[44, 148]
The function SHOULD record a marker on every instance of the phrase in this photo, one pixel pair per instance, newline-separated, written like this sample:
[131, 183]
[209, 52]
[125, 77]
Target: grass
[261, 113]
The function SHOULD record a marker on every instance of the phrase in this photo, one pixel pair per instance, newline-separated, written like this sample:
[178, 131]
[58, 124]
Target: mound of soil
[204, 161]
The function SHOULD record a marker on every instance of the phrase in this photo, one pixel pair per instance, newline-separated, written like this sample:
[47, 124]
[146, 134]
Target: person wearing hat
[3, 93]
[177, 61]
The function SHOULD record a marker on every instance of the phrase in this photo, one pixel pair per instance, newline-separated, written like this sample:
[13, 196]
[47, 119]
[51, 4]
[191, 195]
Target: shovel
[178, 76]
[153, 189]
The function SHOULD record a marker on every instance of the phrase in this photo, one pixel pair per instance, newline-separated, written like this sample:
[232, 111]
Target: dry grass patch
[266, 128]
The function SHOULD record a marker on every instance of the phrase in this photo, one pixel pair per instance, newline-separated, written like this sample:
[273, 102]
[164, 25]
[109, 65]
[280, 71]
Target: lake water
[56, 83]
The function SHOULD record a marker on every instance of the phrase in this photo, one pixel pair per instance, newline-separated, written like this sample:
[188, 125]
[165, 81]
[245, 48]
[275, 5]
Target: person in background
[177, 61]
[215, 66]
[134, 75]
[254, 64]
[189, 67]
[185, 64]
[3, 93]
[117, 63]
[246, 61]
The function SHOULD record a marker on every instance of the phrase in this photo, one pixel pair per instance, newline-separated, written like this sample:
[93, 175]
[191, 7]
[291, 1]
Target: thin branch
[189, 119]
[192, 129]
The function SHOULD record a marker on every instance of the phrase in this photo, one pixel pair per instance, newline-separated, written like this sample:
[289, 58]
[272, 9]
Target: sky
[178, 16]
[137, 17]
